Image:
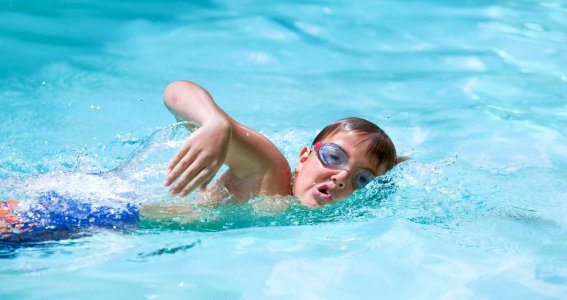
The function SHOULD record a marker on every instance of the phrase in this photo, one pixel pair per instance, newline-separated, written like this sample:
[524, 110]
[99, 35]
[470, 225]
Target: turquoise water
[475, 92]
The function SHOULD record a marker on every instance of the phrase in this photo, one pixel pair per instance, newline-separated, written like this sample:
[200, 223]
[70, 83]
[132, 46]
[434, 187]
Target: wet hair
[379, 145]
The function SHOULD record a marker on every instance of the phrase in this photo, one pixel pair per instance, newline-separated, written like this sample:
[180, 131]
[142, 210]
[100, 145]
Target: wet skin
[317, 185]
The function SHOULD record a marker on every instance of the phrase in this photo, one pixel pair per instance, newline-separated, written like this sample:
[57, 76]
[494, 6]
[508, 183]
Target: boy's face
[316, 184]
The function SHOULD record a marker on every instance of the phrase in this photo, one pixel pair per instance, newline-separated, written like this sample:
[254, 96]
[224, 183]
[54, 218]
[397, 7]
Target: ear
[303, 155]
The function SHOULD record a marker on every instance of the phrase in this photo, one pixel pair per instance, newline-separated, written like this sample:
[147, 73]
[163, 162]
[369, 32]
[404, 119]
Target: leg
[9, 220]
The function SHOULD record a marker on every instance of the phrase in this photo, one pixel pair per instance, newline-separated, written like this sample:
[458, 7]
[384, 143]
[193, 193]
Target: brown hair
[380, 147]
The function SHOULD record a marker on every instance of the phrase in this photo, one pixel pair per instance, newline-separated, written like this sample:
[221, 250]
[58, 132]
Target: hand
[199, 158]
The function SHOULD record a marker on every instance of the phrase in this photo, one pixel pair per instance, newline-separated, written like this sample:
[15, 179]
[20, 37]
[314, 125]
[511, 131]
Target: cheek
[305, 179]
[302, 182]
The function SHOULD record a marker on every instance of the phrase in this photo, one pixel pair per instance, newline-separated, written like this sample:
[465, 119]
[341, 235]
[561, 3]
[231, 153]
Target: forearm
[190, 102]
[220, 140]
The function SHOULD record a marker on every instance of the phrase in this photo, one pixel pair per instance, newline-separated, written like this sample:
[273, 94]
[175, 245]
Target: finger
[179, 155]
[181, 166]
[198, 180]
[189, 185]
[187, 176]
[203, 186]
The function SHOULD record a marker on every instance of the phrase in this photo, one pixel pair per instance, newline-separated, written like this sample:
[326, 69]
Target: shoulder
[277, 178]
[256, 165]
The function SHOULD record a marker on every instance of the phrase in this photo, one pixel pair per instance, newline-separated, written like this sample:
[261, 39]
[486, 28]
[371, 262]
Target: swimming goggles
[334, 157]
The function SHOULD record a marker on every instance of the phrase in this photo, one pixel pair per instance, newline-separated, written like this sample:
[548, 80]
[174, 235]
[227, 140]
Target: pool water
[473, 91]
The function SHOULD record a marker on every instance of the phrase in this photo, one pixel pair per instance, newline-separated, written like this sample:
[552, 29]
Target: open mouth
[323, 192]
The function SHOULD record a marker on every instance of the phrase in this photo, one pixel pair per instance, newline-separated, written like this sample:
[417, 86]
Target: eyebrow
[373, 172]
[373, 159]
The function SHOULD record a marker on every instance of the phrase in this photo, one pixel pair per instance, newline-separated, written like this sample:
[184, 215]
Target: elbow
[170, 95]
[173, 91]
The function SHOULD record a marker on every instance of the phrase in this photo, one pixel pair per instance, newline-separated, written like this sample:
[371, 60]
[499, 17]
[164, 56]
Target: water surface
[473, 91]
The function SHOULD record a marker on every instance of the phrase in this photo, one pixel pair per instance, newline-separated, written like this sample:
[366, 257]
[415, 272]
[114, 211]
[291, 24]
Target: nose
[340, 178]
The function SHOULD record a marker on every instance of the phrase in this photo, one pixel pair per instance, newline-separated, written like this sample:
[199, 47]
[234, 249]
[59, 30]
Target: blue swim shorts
[53, 210]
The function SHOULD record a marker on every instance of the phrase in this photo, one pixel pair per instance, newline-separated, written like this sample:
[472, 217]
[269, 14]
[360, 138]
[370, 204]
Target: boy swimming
[345, 156]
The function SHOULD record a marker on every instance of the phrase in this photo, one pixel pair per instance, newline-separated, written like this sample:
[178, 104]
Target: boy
[345, 156]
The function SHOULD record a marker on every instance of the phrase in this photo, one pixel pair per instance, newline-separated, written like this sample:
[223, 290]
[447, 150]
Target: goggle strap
[317, 146]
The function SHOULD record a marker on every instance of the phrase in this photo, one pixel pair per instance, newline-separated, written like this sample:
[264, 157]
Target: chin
[309, 202]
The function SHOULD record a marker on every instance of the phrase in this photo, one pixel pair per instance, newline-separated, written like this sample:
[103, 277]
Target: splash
[61, 203]
[140, 174]
[433, 193]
